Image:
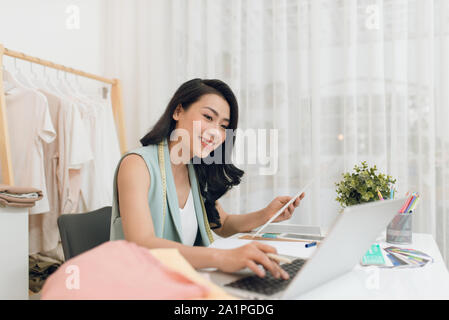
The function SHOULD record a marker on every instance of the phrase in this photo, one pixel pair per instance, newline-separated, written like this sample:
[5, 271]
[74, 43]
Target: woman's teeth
[207, 142]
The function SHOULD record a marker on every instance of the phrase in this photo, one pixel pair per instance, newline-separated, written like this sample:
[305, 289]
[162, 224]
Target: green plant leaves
[362, 185]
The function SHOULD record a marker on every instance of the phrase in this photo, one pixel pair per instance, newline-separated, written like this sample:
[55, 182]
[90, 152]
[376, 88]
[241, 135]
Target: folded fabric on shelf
[33, 195]
[21, 197]
[19, 190]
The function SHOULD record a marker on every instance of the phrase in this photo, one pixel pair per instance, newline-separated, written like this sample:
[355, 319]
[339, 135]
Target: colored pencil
[412, 208]
[410, 204]
[380, 195]
[405, 205]
[391, 193]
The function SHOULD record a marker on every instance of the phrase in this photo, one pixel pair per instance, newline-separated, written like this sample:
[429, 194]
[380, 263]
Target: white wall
[48, 29]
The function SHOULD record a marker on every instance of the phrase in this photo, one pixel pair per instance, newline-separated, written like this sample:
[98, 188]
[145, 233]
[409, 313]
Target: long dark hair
[215, 177]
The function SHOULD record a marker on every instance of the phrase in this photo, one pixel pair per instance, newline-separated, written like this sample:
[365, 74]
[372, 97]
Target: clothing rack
[116, 97]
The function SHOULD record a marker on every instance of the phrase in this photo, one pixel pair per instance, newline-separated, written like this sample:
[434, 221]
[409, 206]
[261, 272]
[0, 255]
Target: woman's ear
[177, 112]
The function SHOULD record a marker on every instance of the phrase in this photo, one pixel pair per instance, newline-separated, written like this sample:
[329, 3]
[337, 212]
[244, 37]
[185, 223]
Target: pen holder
[399, 231]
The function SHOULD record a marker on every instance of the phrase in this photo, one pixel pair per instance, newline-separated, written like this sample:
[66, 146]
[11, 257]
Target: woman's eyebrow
[216, 113]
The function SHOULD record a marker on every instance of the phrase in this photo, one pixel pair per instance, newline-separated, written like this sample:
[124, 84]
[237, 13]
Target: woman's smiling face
[206, 121]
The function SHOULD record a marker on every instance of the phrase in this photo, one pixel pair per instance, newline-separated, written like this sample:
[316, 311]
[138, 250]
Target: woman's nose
[213, 133]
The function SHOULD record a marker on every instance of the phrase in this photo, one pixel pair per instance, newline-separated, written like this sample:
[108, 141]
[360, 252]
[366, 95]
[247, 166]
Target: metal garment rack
[5, 151]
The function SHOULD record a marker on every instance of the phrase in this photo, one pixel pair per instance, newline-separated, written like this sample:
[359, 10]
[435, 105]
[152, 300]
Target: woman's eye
[207, 117]
[224, 127]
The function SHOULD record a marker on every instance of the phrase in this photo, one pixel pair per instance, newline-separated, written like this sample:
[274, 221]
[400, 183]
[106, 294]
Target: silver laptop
[349, 238]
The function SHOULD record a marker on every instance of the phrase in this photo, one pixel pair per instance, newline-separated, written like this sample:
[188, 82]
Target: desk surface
[428, 282]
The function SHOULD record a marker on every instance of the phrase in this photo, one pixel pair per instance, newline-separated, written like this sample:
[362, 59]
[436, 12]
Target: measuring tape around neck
[164, 192]
[164, 182]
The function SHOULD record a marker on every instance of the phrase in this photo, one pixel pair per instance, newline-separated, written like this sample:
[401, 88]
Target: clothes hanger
[20, 77]
[76, 90]
[32, 76]
[11, 79]
[53, 87]
[89, 103]
[37, 81]
[68, 90]
[72, 86]
[83, 103]
[49, 85]
[45, 81]
[77, 84]
[7, 84]
[62, 84]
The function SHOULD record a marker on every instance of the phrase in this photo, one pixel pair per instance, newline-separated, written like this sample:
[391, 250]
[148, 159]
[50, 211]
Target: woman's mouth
[206, 143]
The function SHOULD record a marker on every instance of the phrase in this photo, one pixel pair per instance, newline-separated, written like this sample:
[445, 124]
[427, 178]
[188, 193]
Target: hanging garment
[30, 128]
[98, 175]
[75, 147]
[110, 145]
[81, 123]
[80, 130]
[75, 153]
[70, 150]
[94, 179]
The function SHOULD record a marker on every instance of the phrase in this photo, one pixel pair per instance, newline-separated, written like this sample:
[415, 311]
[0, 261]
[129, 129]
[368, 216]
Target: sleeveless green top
[166, 226]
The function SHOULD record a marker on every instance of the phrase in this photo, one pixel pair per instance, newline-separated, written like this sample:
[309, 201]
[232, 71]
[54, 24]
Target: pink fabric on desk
[118, 270]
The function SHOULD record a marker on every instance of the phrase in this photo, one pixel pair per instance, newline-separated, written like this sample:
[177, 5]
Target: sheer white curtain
[342, 81]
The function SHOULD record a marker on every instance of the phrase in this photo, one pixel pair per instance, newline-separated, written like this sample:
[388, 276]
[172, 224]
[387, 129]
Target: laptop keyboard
[268, 285]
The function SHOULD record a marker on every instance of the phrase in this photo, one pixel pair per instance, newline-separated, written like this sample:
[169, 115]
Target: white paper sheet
[295, 249]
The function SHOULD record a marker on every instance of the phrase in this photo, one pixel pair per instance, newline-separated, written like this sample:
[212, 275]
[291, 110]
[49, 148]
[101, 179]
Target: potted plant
[363, 185]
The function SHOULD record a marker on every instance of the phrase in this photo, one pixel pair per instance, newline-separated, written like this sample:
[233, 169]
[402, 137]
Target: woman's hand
[250, 255]
[278, 203]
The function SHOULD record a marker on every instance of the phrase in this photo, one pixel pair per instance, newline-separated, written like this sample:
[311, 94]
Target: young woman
[166, 192]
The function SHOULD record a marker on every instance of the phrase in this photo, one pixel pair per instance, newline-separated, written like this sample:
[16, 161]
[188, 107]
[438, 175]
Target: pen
[311, 244]
[277, 258]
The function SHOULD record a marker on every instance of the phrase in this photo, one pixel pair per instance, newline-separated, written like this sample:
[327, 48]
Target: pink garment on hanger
[118, 270]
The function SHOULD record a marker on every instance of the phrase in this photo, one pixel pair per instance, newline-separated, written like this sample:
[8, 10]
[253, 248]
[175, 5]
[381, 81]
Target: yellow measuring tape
[164, 182]
[164, 192]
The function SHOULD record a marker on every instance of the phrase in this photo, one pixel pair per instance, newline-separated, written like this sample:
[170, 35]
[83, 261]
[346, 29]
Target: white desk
[428, 282]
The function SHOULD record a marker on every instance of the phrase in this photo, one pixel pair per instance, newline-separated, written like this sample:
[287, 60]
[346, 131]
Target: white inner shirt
[188, 221]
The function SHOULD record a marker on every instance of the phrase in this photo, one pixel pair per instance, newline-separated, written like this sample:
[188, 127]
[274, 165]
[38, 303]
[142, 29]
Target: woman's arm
[133, 183]
[236, 223]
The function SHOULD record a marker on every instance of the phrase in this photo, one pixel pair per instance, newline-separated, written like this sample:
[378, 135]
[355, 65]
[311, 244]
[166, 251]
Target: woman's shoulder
[148, 150]
[139, 158]
[146, 153]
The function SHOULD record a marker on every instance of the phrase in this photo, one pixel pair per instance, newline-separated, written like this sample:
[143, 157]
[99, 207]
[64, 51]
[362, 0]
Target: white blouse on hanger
[30, 128]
